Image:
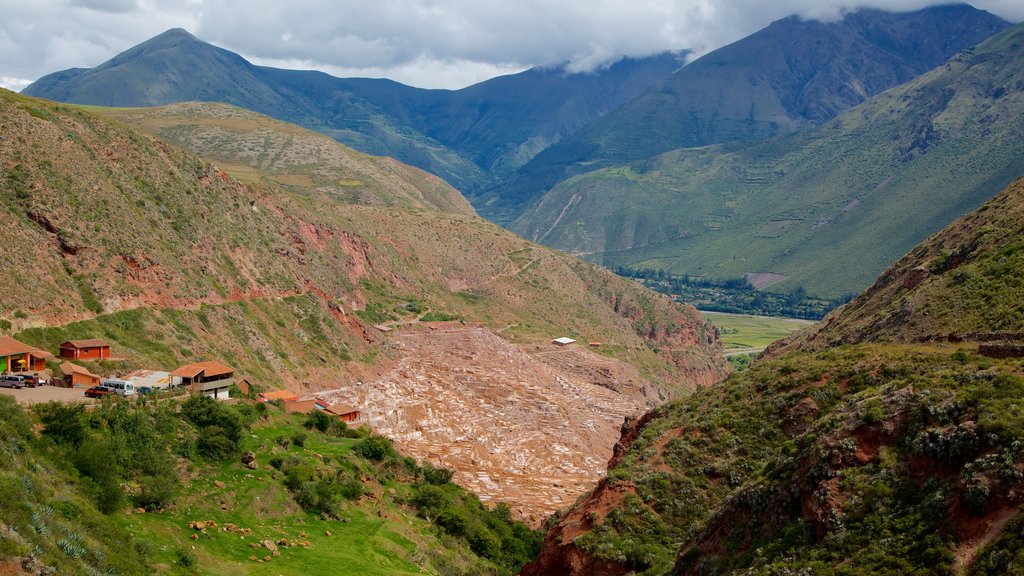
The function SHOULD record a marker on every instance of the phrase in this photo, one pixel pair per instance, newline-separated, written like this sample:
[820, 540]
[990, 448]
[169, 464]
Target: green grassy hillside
[964, 283]
[120, 490]
[827, 208]
[851, 450]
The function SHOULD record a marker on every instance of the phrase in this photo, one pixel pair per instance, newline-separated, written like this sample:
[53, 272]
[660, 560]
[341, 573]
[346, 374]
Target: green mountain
[464, 136]
[845, 451]
[791, 75]
[824, 209]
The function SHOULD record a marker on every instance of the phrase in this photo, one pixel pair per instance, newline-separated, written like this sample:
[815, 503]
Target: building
[75, 376]
[345, 412]
[92, 349]
[282, 395]
[300, 406]
[20, 357]
[209, 378]
[152, 379]
[563, 341]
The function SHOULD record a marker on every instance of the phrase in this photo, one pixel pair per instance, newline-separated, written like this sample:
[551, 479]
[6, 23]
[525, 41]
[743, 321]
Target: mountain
[333, 272]
[791, 75]
[824, 209]
[465, 136]
[845, 450]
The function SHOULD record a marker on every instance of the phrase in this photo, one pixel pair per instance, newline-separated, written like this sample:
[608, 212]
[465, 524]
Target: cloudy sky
[426, 43]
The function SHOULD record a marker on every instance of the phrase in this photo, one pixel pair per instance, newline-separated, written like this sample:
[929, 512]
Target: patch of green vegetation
[320, 494]
[439, 316]
[734, 296]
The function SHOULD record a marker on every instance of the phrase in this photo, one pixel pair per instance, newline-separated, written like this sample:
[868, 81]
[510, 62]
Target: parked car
[99, 391]
[31, 380]
[143, 390]
[12, 381]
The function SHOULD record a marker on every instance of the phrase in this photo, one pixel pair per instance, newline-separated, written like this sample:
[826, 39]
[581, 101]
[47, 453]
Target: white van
[121, 387]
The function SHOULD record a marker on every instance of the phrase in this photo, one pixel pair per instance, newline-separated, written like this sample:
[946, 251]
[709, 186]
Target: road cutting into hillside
[530, 426]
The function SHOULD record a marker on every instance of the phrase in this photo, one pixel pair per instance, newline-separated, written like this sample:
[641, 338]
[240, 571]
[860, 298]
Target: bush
[318, 420]
[157, 492]
[63, 422]
[436, 476]
[299, 439]
[374, 448]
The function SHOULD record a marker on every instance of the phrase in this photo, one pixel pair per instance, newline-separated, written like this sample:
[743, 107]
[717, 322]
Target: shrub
[436, 476]
[374, 448]
[62, 422]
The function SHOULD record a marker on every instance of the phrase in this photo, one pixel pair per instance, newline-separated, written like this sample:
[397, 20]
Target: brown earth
[531, 426]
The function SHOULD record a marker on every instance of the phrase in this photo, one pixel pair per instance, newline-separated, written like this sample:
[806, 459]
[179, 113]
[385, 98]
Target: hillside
[467, 137]
[178, 498]
[173, 261]
[250, 146]
[844, 452]
[829, 208]
[793, 74]
[962, 284]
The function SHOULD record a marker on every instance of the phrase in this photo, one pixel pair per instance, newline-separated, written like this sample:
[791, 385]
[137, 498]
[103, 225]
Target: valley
[542, 325]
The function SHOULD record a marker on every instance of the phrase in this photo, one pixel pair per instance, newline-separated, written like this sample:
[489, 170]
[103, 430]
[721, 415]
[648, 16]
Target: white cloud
[432, 43]
[14, 84]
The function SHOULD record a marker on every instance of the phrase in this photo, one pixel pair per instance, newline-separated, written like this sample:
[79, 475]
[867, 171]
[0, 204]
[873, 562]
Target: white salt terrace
[512, 427]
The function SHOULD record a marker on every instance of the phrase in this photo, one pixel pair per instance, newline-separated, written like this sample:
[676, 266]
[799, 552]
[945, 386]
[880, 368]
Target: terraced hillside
[871, 444]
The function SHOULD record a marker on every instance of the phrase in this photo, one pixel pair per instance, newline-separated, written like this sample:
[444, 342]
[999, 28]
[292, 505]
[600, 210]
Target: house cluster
[210, 378]
[293, 404]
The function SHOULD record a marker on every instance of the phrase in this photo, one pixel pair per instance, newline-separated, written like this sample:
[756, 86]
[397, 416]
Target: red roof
[340, 409]
[9, 347]
[286, 395]
[90, 343]
[210, 368]
[69, 368]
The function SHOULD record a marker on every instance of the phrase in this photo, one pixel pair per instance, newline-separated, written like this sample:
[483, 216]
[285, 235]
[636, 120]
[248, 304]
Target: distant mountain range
[790, 75]
[828, 208]
[463, 136]
[614, 164]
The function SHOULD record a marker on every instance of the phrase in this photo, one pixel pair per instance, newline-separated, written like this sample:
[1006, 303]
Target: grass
[743, 331]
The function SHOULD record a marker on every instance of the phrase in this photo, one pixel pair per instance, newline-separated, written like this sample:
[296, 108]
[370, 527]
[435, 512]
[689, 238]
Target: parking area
[29, 396]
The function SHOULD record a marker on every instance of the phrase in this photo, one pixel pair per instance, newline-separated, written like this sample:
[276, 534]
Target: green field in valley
[747, 333]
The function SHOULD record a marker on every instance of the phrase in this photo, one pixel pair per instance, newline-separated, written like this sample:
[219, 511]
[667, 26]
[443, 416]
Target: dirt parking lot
[29, 396]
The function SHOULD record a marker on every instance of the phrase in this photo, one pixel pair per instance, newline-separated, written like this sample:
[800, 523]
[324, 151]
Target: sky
[424, 43]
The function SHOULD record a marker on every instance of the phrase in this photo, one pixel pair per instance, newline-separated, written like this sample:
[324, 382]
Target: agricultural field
[746, 334]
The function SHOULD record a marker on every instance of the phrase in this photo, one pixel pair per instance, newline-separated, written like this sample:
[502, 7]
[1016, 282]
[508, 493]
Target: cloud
[430, 43]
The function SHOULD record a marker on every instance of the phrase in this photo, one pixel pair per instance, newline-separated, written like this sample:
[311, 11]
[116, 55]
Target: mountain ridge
[912, 159]
[790, 75]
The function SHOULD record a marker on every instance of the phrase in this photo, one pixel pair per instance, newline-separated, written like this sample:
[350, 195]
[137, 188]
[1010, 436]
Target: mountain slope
[109, 219]
[790, 75]
[811, 206]
[962, 284]
[861, 458]
[250, 146]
